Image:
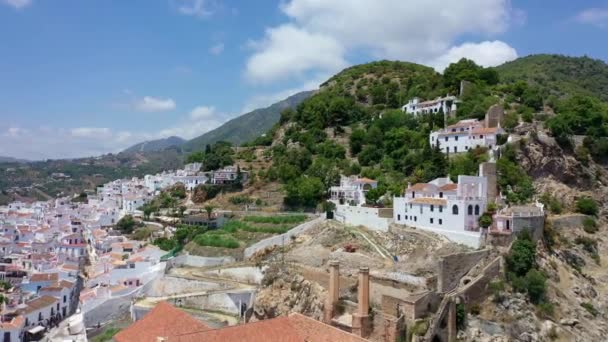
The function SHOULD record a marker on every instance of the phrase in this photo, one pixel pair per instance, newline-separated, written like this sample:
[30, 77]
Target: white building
[229, 174]
[444, 207]
[465, 135]
[352, 190]
[447, 105]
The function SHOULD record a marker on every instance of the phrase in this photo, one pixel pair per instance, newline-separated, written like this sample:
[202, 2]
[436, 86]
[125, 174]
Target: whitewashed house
[446, 105]
[352, 190]
[444, 207]
[465, 135]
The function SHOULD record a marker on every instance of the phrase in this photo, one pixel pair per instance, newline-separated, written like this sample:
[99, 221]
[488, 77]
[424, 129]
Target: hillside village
[379, 209]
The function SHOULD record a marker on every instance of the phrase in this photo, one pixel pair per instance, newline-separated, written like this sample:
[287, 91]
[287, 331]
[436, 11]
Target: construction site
[382, 286]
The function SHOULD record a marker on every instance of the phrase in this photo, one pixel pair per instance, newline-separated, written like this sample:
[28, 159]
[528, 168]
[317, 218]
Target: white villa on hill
[447, 105]
[447, 208]
[465, 135]
[352, 190]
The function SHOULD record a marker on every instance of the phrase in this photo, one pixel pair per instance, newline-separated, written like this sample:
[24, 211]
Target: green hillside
[559, 75]
[247, 126]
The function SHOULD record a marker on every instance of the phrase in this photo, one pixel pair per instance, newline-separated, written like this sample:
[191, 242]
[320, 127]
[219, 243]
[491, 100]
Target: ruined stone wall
[477, 290]
[412, 309]
[567, 221]
[454, 266]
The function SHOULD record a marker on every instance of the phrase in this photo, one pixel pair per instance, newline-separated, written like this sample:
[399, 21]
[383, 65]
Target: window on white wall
[455, 209]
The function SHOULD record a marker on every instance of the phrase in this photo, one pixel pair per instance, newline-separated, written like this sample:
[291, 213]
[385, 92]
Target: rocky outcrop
[284, 291]
[542, 157]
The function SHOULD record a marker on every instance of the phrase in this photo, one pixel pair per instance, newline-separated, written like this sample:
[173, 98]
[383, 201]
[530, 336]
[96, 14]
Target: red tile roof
[175, 325]
[294, 328]
[449, 187]
[44, 277]
[164, 320]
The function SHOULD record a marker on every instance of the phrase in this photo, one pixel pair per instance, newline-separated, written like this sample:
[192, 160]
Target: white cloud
[217, 49]
[91, 132]
[289, 50]
[153, 104]
[487, 54]
[18, 4]
[202, 112]
[594, 16]
[320, 35]
[14, 132]
[196, 8]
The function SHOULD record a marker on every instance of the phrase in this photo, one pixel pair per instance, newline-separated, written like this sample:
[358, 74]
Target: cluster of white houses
[44, 245]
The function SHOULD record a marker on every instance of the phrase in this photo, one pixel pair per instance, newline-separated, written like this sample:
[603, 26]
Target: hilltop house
[465, 135]
[352, 190]
[446, 105]
[445, 207]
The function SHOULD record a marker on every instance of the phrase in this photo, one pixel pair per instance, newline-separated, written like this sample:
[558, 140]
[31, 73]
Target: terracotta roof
[44, 277]
[435, 201]
[449, 187]
[419, 186]
[366, 180]
[484, 130]
[163, 321]
[294, 328]
[39, 303]
[16, 322]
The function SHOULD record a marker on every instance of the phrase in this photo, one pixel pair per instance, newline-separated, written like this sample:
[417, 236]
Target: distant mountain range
[237, 131]
[247, 126]
[156, 145]
[12, 160]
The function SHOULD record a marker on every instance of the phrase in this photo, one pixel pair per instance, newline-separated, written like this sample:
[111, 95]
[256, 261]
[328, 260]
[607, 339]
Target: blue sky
[80, 78]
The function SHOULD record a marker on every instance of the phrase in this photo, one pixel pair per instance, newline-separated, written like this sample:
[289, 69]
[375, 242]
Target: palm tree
[209, 210]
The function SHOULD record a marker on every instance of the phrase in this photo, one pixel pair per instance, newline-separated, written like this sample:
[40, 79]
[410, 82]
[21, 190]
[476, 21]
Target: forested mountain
[354, 124]
[559, 75]
[155, 145]
[247, 126]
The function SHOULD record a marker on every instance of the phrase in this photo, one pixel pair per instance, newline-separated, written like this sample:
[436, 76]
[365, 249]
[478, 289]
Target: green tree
[587, 206]
[304, 191]
[535, 285]
[522, 257]
[126, 224]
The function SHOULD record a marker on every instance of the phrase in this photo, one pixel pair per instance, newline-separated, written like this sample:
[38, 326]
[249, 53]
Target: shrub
[239, 199]
[216, 240]
[522, 256]
[475, 309]
[276, 219]
[589, 225]
[546, 309]
[535, 285]
[587, 206]
[165, 244]
[590, 308]
[461, 316]
[126, 224]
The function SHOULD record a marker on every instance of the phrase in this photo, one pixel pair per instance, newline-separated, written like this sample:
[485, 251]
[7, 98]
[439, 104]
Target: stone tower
[494, 116]
[488, 170]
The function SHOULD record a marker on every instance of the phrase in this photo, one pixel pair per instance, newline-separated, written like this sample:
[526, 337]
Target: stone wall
[534, 224]
[566, 221]
[279, 240]
[370, 218]
[477, 290]
[412, 307]
[454, 266]
[198, 261]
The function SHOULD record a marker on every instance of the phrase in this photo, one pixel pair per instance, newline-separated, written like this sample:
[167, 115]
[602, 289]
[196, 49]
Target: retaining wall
[279, 240]
[198, 261]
